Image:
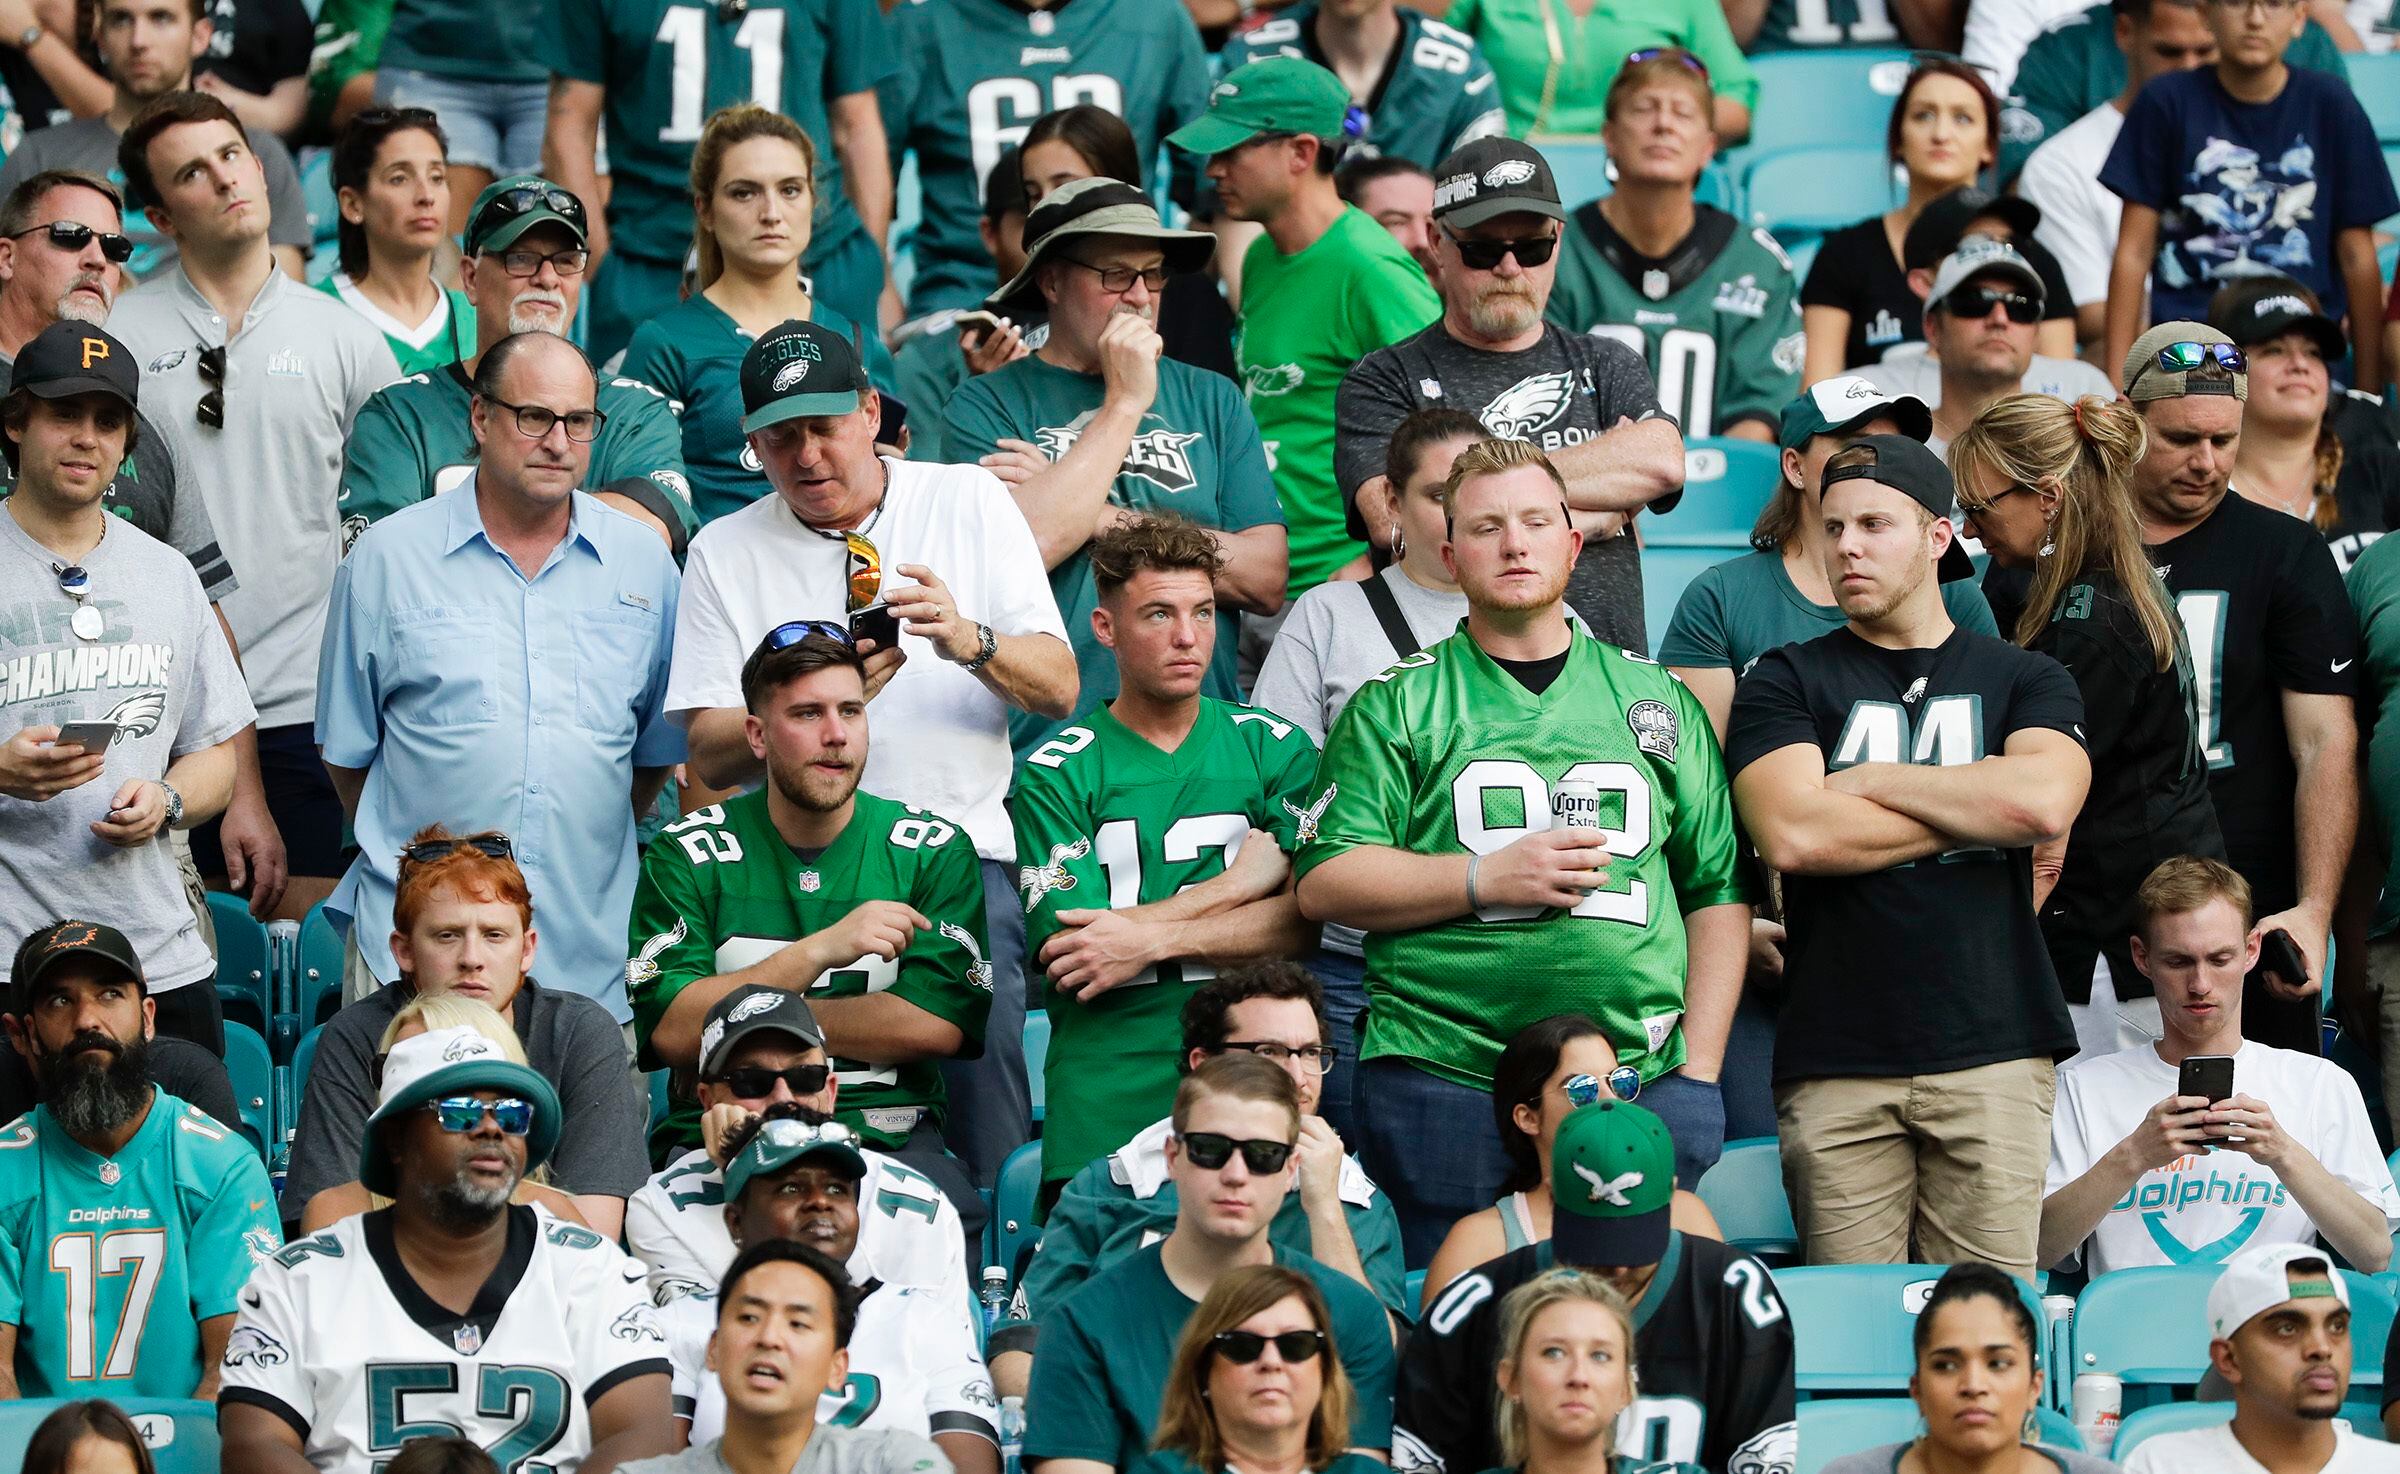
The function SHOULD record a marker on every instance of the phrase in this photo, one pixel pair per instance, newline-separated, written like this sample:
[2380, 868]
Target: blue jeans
[1430, 1145]
[991, 1112]
[493, 126]
[1749, 1074]
[1694, 1113]
[1344, 978]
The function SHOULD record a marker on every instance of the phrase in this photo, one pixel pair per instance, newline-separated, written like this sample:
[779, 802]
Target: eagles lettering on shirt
[1446, 753]
[414, 439]
[1808, 25]
[720, 890]
[1105, 819]
[1436, 91]
[1717, 319]
[979, 72]
[1710, 1334]
[336, 1338]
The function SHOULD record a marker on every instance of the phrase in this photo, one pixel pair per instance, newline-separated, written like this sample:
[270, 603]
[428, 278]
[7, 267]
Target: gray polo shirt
[90, 144]
[829, 1451]
[570, 1041]
[297, 373]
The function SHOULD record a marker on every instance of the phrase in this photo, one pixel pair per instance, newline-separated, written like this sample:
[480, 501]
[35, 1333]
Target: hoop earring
[1399, 543]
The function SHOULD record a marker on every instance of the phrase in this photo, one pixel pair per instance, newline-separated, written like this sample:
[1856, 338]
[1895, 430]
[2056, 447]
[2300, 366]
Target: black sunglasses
[1483, 255]
[1245, 1347]
[757, 1082]
[1976, 303]
[495, 844]
[211, 408]
[1211, 1150]
[508, 204]
[73, 236]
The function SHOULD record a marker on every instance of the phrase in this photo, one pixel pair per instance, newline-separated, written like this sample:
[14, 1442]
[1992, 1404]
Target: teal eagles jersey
[1105, 820]
[1804, 25]
[693, 353]
[1197, 454]
[1446, 753]
[1436, 94]
[979, 72]
[109, 1264]
[669, 64]
[1718, 320]
[414, 440]
[720, 890]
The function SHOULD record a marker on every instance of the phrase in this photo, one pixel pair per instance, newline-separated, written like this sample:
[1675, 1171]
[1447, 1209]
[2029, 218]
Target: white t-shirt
[2201, 1209]
[2217, 1451]
[2079, 218]
[938, 738]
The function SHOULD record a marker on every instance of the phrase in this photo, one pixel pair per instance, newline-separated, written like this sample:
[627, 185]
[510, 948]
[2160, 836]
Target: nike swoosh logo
[2339, 666]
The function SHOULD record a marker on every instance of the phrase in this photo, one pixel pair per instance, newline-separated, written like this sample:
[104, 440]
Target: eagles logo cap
[64, 941]
[1492, 177]
[787, 1140]
[456, 1061]
[71, 357]
[754, 1008]
[1839, 405]
[1612, 1177]
[799, 370]
[1276, 94]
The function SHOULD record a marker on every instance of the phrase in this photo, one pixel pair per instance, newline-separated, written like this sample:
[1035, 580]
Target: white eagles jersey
[675, 1224]
[334, 1337]
[914, 1365]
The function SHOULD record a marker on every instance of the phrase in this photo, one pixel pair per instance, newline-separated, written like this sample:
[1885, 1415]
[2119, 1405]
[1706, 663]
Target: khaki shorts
[1927, 1169]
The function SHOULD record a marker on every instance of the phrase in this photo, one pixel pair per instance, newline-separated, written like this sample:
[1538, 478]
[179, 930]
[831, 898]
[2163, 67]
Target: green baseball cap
[1280, 94]
[509, 207]
[786, 1140]
[1612, 1179]
[799, 370]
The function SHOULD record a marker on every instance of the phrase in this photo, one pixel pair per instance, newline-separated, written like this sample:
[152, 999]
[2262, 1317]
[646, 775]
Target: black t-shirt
[1711, 1337]
[257, 43]
[179, 1067]
[2265, 612]
[2366, 500]
[1537, 676]
[1936, 965]
[1857, 272]
[1196, 326]
[2149, 797]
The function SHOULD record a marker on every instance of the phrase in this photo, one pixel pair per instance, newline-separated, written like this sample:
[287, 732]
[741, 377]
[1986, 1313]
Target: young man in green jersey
[1442, 830]
[1707, 301]
[128, 1219]
[1321, 289]
[1096, 426]
[873, 909]
[1153, 837]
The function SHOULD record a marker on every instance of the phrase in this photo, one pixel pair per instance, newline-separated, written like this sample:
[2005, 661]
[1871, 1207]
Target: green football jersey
[693, 353]
[1197, 454]
[1306, 319]
[109, 1264]
[454, 341]
[1806, 25]
[1446, 753]
[414, 440]
[669, 64]
[980, 71]
[1436, 94]
[1718, 320]
[1104, 819]
[720, 890]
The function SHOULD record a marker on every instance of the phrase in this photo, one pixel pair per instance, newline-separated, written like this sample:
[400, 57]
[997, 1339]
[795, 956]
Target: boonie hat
[2196, 370]
[70, 357]
[1838, 405]
[1491, 177]
[1911, 467]
[784, 1141]
[2259, 1278]
[754, 1008]
[454, 1061]
[509, 207]
[1095, 207]
[799, 370]
[1276, 94]
[64, 941]
[1612, 1179]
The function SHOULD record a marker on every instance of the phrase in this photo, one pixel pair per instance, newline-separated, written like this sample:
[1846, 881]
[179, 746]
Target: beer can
[2099, 1403]
[1575, 806]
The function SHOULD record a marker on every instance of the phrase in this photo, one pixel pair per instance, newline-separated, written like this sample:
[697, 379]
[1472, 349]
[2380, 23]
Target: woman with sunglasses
[1256, 1386]
[1556, 58]
[1551, 1068]
[753, 196]
[391, 174]
[2044, 485]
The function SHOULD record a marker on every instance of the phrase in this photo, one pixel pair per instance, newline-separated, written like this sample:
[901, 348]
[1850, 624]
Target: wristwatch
[983, 657]
[31, 37]
[174, 803]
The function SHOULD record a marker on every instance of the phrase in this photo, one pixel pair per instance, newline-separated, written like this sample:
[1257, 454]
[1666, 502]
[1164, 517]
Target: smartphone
[92, 737]
[2209, 1076]
[876, 622]
[2280, 957]
[977, 321]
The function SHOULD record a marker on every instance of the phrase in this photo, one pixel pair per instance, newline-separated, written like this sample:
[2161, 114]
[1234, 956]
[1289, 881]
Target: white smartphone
[92, 737]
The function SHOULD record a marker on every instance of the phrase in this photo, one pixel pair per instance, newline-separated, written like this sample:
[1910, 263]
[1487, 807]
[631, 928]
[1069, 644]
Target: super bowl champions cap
[1491, 177]
[799, 370]
[754, 1008]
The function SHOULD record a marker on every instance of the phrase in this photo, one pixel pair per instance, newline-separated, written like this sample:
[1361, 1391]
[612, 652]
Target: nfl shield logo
[1654, 285]
[468, 1339]
[810, 882]
[110, 1172]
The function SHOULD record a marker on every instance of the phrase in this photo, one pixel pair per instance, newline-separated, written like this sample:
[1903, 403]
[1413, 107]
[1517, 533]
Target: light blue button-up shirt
[482, 699]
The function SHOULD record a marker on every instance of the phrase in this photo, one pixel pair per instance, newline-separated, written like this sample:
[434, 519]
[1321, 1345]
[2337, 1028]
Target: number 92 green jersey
[1446, 753]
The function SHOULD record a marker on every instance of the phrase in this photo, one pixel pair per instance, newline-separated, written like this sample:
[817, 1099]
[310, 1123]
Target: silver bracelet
[1474, 862]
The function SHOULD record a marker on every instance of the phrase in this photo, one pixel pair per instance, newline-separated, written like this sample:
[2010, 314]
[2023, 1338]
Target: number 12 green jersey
[1105, 820]
[1447, 753]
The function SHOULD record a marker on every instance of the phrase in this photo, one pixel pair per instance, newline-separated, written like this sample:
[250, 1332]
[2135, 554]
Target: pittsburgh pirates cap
[70, 357]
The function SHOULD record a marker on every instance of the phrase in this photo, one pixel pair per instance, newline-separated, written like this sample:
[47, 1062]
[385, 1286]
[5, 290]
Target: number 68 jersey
[335, 1337]
[1447, 753]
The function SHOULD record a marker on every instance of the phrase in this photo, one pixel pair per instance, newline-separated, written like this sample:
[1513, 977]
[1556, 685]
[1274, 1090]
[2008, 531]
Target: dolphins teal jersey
[109, 1264]
[979, 72]
[1717, 320]
[1436, 94]
[669, 64]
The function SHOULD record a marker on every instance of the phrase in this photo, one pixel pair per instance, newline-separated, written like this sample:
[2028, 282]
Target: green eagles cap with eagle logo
[1612, 1175]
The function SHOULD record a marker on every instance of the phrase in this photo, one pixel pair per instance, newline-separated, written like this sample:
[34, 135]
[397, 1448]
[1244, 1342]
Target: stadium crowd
[1172, 736]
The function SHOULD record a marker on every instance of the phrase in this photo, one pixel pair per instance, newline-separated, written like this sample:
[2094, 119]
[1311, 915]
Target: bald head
[524, 382]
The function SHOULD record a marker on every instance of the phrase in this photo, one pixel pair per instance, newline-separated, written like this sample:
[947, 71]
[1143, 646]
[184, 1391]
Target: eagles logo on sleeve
[644, 966]
[1037, 881]
[1774, 1451]
[251, 1346]
[1311, 816]
[636, 1324]
[979, 972]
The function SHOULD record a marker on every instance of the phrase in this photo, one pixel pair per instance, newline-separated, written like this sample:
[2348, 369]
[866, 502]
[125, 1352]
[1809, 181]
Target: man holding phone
[2204, 1144]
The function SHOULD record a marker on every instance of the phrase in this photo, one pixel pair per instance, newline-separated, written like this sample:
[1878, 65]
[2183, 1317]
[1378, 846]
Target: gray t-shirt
[1563, 391]
[162, 671]
[90, 144]
[151, 491]
[569, 1040]
[829, 1451]
[1886, 1460]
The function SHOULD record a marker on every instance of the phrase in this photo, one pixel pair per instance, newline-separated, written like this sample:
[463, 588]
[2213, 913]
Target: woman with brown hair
[89, 1437]
[754, 193]
[1257, 1386]
[2045, 485]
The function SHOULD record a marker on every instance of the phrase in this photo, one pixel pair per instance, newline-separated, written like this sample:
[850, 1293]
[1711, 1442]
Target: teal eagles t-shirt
[1197, 454]
[693, 353]
[109, 1264]
[1740, 609]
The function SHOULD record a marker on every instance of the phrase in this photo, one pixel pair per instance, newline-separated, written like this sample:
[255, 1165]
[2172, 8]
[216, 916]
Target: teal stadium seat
[1832, 96]
[304, 1057]
[1745, 1192]
[1726, 484]
[2149, 1327]
[1668, 566]
[245, 962]
[1854, 1325]
[1583, 172]
[181, 1435]
[1012, 1233]
[319, 972]
[1804, 192]
[253, 1072]
[2376, 80]
[1037, 1053]
[2147, 1423]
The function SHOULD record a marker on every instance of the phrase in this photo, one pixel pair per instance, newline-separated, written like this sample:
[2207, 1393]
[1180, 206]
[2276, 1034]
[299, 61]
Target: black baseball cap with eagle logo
[68, 358]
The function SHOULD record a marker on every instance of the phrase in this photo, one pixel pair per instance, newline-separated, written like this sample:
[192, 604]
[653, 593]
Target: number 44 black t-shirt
[1939, 964]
